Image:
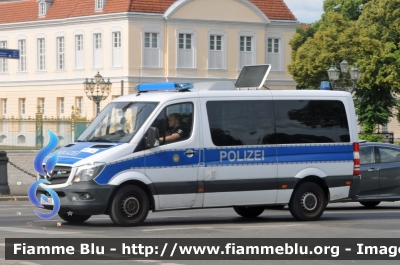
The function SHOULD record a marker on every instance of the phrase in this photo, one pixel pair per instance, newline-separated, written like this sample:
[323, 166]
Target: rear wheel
[370, 204]
[129, 206]
[74, 218]
[308, 202]
[248, 212]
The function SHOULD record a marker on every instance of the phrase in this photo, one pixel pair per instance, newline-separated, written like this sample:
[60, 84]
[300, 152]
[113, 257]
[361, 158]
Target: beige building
[63, 42]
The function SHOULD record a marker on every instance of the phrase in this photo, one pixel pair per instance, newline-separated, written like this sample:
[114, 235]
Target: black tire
[248, 212]
[308, 202]
[370, 204]
[129, 206]
[74, 219]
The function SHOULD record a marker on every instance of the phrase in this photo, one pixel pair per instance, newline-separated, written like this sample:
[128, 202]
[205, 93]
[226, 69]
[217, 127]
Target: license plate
[48, 202]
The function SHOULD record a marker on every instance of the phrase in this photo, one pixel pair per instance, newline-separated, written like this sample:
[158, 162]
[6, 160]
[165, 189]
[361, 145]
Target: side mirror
[152, 137]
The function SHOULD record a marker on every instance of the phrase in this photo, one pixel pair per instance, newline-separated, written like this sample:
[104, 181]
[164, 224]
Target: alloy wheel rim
[309, 201]
[130, 206]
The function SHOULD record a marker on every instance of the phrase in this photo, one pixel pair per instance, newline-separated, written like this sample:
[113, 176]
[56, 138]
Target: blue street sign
[9, 53]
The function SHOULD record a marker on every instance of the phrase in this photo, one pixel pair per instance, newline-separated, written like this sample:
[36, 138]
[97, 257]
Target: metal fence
[31, 133]
[388, 137]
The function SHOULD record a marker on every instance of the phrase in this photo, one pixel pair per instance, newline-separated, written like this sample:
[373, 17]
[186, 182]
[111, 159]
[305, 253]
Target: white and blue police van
[244, 148]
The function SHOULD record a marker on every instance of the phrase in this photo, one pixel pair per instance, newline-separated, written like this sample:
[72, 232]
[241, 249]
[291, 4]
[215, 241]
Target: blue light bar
[167, 86]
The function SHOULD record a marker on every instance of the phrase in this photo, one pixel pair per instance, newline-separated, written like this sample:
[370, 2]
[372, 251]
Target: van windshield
[118, 122]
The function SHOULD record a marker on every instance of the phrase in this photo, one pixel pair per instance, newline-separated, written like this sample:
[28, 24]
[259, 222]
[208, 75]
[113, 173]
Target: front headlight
[88, 172]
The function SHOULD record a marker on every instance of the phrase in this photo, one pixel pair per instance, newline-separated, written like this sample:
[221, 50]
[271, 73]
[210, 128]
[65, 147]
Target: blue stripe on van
[285, 154]
[317, 153]
[114, 168]
[240, 156]
[79, 150]
[212, 157]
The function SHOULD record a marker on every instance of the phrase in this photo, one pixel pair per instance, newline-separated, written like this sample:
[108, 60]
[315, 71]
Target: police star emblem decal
[176, 158]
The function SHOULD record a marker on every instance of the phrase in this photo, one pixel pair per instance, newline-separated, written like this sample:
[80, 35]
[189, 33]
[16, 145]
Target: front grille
[60, 174]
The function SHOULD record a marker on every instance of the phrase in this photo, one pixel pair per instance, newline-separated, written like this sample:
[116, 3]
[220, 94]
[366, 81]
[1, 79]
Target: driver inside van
[176, 130]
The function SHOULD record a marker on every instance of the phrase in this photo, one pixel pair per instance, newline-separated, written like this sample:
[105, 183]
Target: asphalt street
[341, 220]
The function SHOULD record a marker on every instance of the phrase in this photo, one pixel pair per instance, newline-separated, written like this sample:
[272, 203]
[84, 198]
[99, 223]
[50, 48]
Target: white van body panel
[198, 172]
[128, 175]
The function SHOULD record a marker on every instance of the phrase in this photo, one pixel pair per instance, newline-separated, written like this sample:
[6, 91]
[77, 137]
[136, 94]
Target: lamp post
[334, 75]
[97, 90]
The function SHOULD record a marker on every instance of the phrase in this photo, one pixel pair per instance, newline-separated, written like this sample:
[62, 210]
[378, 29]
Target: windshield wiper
[99, 140]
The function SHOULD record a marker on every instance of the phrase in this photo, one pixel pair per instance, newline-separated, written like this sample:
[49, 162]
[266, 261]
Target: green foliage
[374, 106]
[369, 38]
[369, 133]
[350, 9]
[371, 137]
[311, 59]
[379, 28]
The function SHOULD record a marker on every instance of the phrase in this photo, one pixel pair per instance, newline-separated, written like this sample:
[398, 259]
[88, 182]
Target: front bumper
[72, 198]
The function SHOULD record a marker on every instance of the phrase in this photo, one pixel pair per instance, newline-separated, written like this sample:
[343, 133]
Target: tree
[370, 39]
[330, 43]
[350, 9]
[379, 52]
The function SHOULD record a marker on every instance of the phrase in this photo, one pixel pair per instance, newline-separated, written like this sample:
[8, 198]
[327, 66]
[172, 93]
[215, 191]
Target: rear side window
[389, 155]
[311, 121]
[249, 122]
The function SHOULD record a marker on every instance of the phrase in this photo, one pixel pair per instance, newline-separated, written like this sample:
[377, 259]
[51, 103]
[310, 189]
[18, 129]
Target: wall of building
[199, 17]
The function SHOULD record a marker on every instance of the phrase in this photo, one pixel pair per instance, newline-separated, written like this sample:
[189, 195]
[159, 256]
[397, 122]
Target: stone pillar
[4, 188]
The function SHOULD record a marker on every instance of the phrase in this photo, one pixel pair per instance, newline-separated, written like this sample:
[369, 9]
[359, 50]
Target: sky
[306, 11]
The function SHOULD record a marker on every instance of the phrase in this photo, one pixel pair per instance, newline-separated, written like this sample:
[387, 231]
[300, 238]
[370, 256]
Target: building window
[42, 9]
[4, 106]
[116, 49]
[22, 106]
[78, 51]
[246, 51]
[99, 5]
[41, 105]
[3, 62]
[79, 105]
[151, 50]
[41, 49]
[97, 55]
[185, 51]
[385, 128]
[274, 54]
[22, 55]
[60, 53]
[216, 57]
[61, 106]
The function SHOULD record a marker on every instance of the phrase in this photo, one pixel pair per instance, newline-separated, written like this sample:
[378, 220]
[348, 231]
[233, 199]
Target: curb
[14, 198]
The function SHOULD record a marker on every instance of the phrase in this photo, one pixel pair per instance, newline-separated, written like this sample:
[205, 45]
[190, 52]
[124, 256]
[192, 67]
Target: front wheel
[129, 206]
[248, 212]
[308, 202]
[74, 218]
[370, 204]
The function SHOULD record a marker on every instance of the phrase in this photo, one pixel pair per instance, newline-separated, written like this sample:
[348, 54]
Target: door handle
[189, 153]
[373, 169]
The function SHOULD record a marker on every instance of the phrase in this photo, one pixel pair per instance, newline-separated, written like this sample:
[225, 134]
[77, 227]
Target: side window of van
[175, 123]
[311, 121]
[244, 122]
